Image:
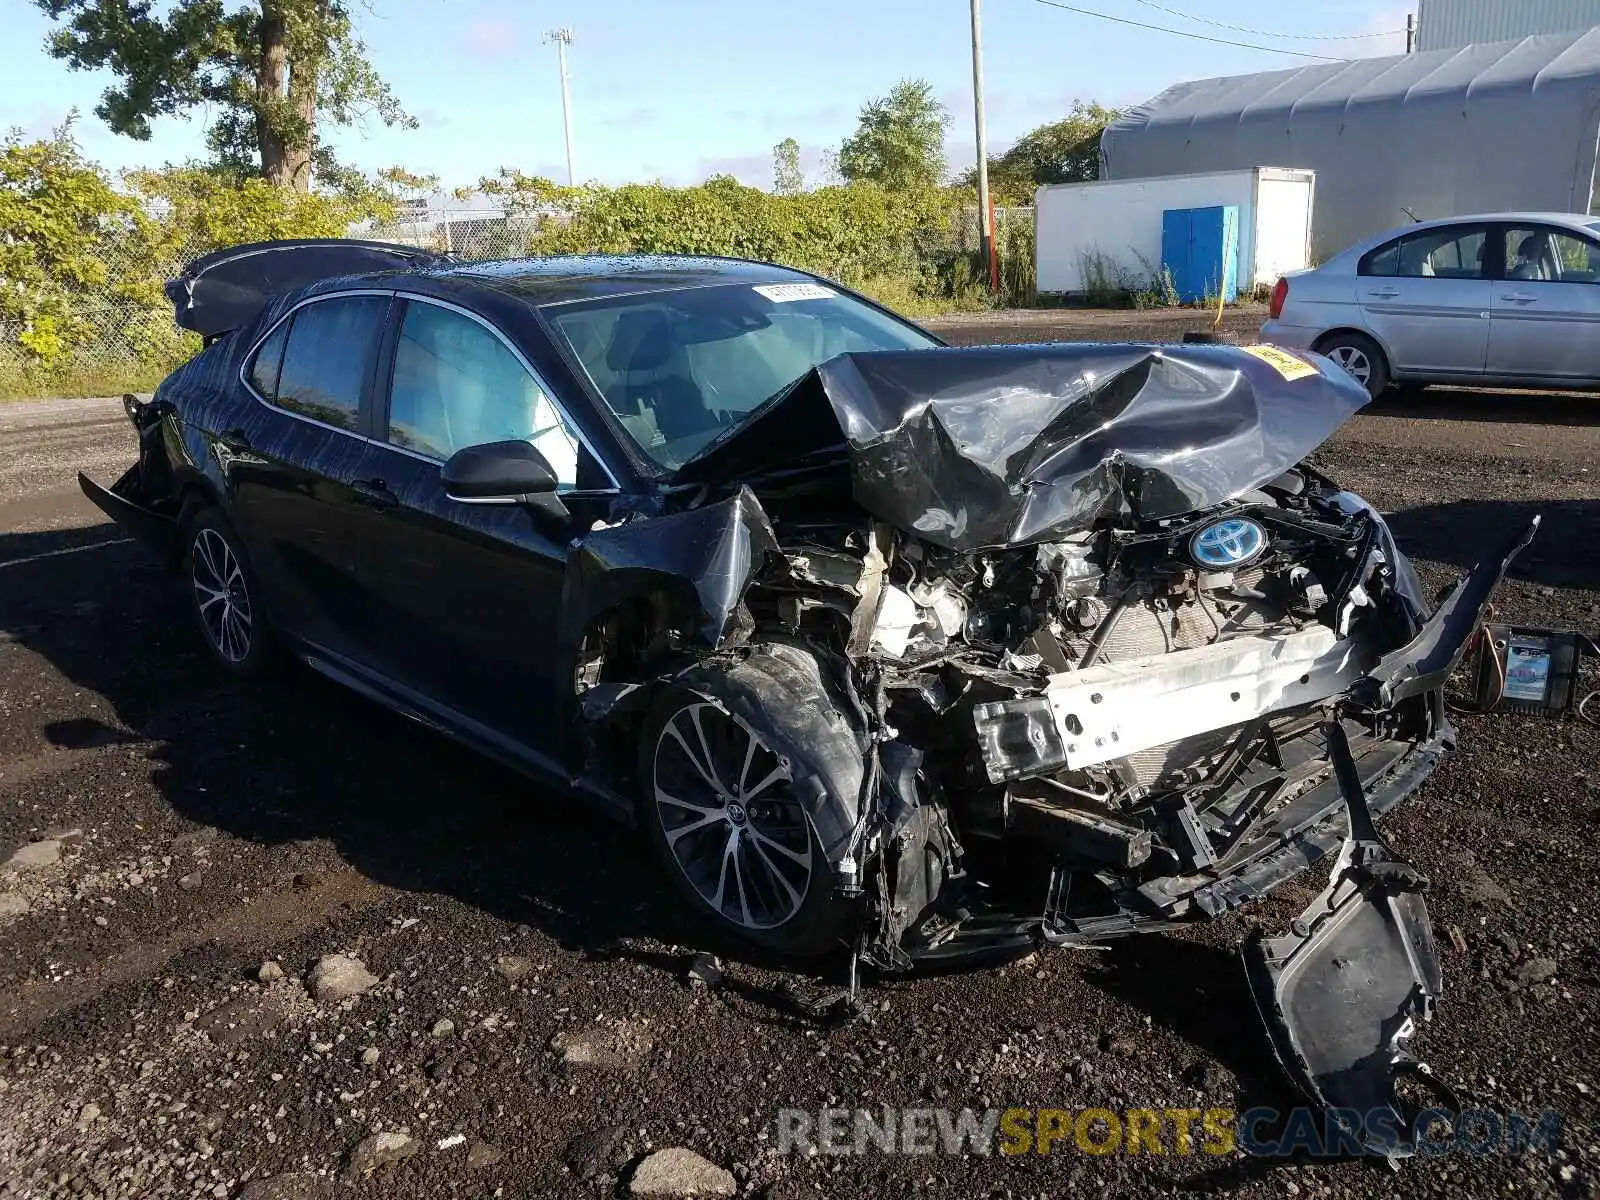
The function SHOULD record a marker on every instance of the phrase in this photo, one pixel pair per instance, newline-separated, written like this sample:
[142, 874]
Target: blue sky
[681, 89]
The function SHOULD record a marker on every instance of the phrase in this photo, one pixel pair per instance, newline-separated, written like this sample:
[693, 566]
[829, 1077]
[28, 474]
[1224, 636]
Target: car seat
[1529, 254]
[654, 388]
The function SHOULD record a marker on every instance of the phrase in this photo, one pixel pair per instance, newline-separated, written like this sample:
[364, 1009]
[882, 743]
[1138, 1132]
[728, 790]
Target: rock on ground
[379, 1150]
[1536, 970]
[482, 1154]
[338, 977]
[704, 972]
[619, 1047]
[514, 967]
[679, 1172]
[37, 854]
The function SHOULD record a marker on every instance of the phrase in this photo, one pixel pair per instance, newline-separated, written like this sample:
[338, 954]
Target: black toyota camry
[920, 651]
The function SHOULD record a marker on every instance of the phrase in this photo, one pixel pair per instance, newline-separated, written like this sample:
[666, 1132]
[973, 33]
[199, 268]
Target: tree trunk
[271, 77]
[280, 90]
[303, 102]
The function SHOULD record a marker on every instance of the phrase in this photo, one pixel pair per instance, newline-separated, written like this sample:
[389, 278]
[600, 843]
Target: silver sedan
[1508, 299]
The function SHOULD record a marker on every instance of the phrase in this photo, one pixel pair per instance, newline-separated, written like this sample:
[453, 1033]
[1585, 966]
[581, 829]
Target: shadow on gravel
[1565, 554]
[1507, 408]
[1199, 993]
[297, 759]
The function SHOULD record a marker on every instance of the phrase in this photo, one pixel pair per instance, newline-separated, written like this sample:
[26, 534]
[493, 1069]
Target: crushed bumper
[141, 500]
[1083, 718]
[155, 530]
[1344, 990]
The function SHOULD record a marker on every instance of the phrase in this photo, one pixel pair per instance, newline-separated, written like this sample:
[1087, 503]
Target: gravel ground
[520, 1023]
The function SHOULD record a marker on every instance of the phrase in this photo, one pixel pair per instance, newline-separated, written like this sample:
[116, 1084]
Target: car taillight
[1280, 293]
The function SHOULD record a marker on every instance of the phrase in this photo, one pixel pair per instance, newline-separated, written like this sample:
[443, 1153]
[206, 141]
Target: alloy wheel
[221, 595]
[732, 823]
[1354, 362]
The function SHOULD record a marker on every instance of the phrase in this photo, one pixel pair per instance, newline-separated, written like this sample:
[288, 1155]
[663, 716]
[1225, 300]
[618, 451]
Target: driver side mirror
[510, 472]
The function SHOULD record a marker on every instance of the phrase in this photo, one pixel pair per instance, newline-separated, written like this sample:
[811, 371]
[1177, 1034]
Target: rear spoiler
[227, 289]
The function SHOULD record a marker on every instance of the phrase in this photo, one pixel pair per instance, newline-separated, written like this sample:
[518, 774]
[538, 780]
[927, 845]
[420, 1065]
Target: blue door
[1200, 251]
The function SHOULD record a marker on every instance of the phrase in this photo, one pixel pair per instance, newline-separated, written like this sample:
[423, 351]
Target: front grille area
[1144, 630]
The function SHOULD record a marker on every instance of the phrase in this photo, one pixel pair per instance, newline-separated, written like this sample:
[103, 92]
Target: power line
[1296, 37]
[1199, 37]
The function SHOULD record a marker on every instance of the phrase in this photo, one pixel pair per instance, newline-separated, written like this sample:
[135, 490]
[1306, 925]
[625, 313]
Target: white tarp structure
[1487, 128]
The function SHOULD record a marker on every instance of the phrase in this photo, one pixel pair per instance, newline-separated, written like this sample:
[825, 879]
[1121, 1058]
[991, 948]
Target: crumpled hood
[986, 446]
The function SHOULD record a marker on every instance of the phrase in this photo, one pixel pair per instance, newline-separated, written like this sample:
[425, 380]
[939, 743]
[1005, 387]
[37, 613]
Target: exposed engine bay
[1144, 715]
[1060, 681]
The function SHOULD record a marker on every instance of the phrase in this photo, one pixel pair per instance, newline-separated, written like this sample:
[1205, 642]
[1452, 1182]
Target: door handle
[234, 441]
[375, 493]
[1518, 298]
[1384, 293]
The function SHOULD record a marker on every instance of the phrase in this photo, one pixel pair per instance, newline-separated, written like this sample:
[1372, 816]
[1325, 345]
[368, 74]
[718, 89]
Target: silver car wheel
[730, 817]
[1354, 362]
[221, 596]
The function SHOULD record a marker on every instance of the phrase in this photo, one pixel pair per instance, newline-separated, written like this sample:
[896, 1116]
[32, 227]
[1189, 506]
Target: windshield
[680, 368]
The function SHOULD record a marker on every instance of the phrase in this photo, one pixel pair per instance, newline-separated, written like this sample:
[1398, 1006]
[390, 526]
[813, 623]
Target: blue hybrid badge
[1230, 543]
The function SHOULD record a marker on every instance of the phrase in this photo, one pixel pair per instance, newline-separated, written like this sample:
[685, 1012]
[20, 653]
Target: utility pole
[1411, 33]
[563, 38]
[985, 211]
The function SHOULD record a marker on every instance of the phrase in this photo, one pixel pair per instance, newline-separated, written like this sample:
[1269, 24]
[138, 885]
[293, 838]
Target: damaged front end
[1092, 650]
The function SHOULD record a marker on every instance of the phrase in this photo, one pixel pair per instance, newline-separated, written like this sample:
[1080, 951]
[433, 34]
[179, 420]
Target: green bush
[83, 261]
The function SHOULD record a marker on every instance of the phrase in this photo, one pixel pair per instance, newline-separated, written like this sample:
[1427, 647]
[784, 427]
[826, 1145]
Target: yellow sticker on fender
[1282, 361]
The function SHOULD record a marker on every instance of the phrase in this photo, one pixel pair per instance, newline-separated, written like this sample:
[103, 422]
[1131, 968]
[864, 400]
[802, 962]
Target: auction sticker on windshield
[783, 293]
[1283, 363]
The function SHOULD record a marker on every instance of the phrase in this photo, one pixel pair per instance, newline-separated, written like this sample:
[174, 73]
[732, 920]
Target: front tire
[224, 595]
[1361, 358]
[720, 807]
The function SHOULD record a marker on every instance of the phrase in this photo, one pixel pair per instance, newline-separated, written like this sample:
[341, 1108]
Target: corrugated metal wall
[1496, 127]
[1447, 24]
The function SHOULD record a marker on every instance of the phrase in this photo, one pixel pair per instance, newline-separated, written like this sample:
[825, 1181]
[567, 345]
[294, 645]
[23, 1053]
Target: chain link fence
[122, 338]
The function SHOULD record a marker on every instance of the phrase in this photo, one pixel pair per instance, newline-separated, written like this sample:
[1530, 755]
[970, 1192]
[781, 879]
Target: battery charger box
[1522, 668]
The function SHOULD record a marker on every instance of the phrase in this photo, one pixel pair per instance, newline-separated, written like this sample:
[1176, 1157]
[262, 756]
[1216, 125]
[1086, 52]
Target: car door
[1426, 296]
[1545, 323]
[294, 461]
[466, 596]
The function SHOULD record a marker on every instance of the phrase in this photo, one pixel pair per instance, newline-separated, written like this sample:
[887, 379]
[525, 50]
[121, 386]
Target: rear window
[322, 360]
[1451, 253]
[268, 361]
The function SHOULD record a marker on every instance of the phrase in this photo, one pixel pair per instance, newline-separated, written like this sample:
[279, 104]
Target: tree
[899, 141]
[1064, 151]
[274, 70]
[787, 178]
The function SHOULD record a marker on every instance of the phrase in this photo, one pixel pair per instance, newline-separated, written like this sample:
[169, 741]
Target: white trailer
[1095, 237]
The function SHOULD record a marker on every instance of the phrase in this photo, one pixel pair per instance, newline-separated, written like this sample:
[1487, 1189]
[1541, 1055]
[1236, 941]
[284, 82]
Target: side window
[456, 384]
[1455, 252]
[268, 361]
[1544, 255]
[330, 344]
